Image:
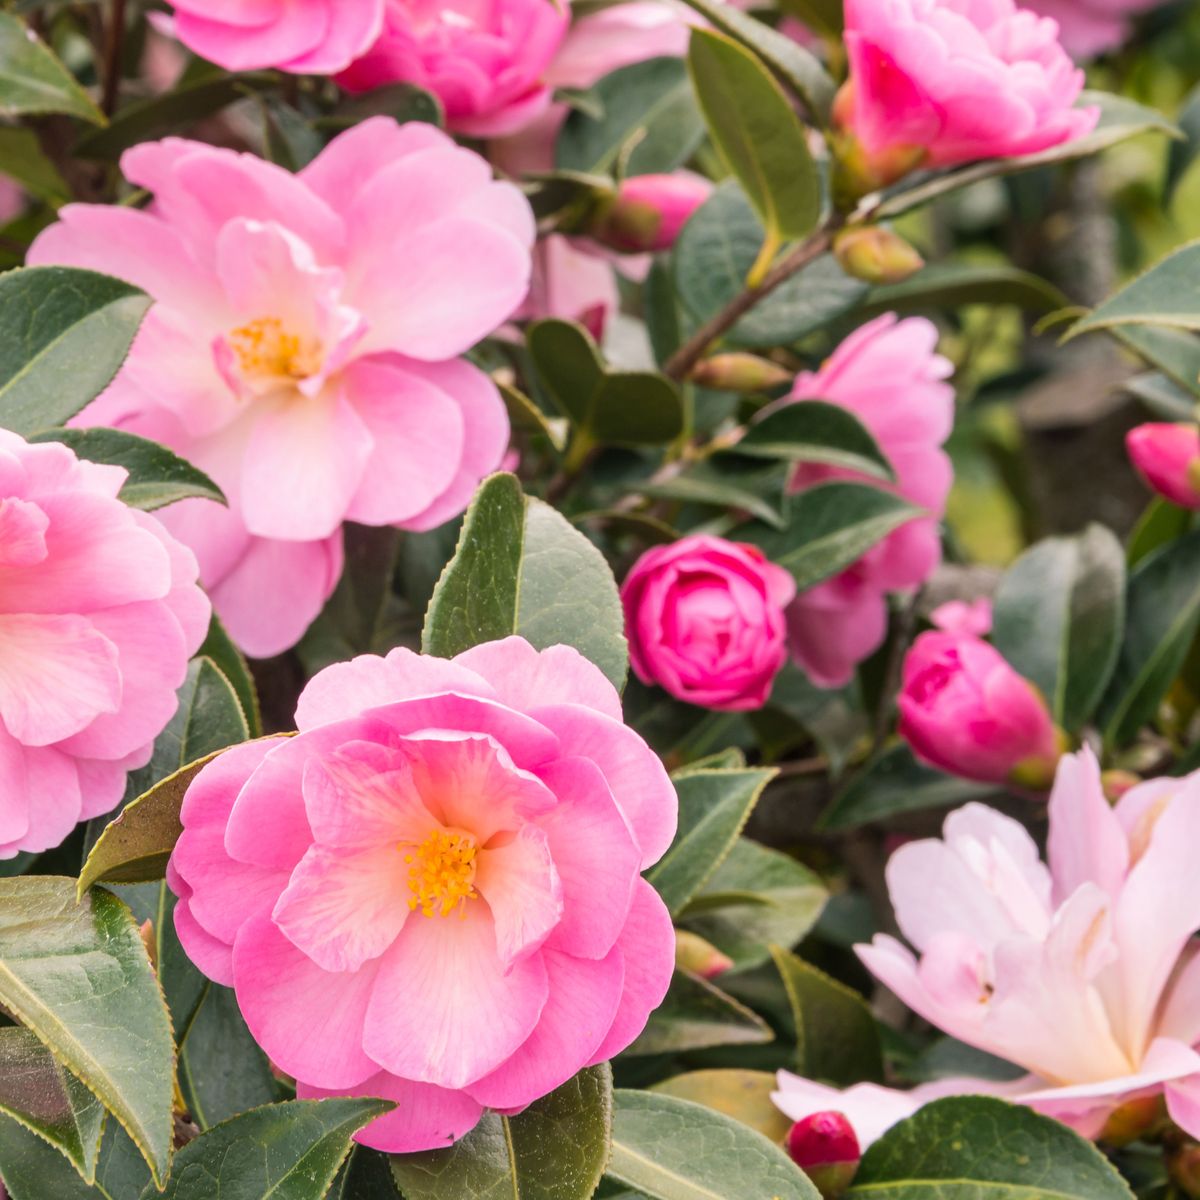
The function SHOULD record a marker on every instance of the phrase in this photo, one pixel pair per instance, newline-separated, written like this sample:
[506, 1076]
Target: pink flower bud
[964, 710]
[876, 255]
[1167, 457]
[825, 1147]
[650, 210]
[1183, 1166]
[1133, 1120]
[964, 616]
[702, 958]
[739, 372]
[1117, 782]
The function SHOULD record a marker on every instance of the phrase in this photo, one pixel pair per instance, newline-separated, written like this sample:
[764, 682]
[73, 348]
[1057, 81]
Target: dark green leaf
[402, 102]
[219, 647]
[727, 481]
[696, 1015]
[366, 1175]
[554, 1150]
[22, 160]
[32, 80]
[953, 284]
[64, 334]
[521, 568]
[526, 415]
[32, 1170]
[1162, 522]
[157, 476]
[817, 432]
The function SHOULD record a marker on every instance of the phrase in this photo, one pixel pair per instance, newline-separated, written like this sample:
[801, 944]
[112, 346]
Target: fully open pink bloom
[1167, 457]
[705, 621]
[99, 614]
[941, 82]
[887, 374]
[1090, 27]
[433, 892]
[307, 37]
[484, 59]
[302, 348]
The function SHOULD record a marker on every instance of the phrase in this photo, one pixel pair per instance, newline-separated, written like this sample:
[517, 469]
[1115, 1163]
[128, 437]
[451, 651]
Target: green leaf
[32, 1170]
[288, 1151]
[953, 284]
[1175, 352]
[1162, 522]
[554, 1150]
[32, 80]
[64, 334]
[671, 1149]
[1162, 612]
[49, 1101]
[896, 783]
[619, 408]
[758, 134]
[743, 1095]
[525, 415]
[837, 1040]
[521, 568]
[714, 806]
[648, 122]
[1183, 153]
[403, 102]
[696, 1015]
[817, 432]
[829, 527]
[229, 660]
[77, 975]
[136, 844]
[1059, 613]
[715, 252]
[22, 160]
[1120, 119]
[970, 1147]
[366, 1175]
[157, 476]
[1165, 399]
[726, 481]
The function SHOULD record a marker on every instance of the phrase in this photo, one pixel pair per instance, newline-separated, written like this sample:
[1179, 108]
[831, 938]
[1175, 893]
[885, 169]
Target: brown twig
[114, 45]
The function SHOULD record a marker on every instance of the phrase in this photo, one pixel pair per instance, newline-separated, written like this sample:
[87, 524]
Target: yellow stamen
[441, 873]
[265, 349]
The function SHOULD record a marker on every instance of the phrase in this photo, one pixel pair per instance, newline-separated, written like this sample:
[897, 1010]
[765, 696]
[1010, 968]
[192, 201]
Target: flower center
[264, 349]
[441, 873]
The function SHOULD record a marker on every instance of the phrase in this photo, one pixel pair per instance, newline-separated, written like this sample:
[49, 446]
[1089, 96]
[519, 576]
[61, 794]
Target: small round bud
[1117, 782]
[737, 372]
[825, 1147]
[876, 255]
[648, 211]
[702, 958]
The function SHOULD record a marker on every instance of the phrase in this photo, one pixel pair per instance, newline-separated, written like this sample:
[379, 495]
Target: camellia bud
[1183, 1166]
[702, 958]
[825, 1147]
[739, 373]
[1167, 457]
[1133, 1120]
[648, 211]
[1117, 782]
[858, 173]
[876, 255]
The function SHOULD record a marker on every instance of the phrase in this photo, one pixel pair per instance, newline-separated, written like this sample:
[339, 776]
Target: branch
[114, 47]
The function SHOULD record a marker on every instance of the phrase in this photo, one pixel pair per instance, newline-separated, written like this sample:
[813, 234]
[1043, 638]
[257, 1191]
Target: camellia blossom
[935, 83]
[302, 347]
[1167, 457]
[888, 374]
[705, 621]
[433, 892]
[1082, 970]
[306, 37]
[99, 614]
[484, 59]
[1090, 27]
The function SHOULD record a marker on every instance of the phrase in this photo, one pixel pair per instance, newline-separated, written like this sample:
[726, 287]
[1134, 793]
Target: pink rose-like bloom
[99, 614]
[1090, 27]
[484, 59]
[306, 37]
[433, 892]
[1082, 970]
[705, 621]
[889, 375]
[302, 347]
[1167, 457]
[964, 710]
[942, 82]
[972, 617]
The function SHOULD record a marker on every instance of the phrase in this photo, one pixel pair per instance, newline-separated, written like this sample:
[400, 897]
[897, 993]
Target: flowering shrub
[599, 601]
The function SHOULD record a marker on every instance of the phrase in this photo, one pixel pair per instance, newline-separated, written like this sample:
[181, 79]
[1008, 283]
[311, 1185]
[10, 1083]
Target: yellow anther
[265, 349]
[441, 875]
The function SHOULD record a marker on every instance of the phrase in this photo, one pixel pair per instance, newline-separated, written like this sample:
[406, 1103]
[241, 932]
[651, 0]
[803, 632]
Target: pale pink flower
[941, 82]
[433, 892]
[705, 622]
[888, 374]
[1167, 457]
[973, 617]
[1090, 27]
[573, 284]
[303, 346]
[99, 614]
[306, 37]
[12, 200]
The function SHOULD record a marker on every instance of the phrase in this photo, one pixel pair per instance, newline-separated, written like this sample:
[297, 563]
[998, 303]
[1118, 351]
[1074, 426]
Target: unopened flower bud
[1167, 457]
[858, 173]
[1133, 1120]
[702, 958]
[1117, 782]
[876, 255]
[739, 373]
[649, 211]
[1183, 1166]
[824, 1146]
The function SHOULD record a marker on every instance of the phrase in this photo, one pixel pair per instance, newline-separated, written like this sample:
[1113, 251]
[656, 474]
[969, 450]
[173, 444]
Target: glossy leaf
[1175, 352]
[743, 1095]
[554, 1150]
[366, 1175]
[695, 1015]
[64, 334]
[228, 659]
[727, 481]
[953, 284]
[23, 161]
[521, 568]
[1162, 522]
[817, 432]
[33, 80]
[34, 1170]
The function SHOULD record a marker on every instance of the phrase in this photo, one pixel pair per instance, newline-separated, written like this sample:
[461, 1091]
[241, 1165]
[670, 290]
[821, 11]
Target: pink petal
[521, 886]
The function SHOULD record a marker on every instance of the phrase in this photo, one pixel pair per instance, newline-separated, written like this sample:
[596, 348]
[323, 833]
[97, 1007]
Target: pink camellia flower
[302, 348]
[1167, 457]
[965, 710]
[484, 59]
[572, 284]
[99, 614]
[650, 210]
[705, 622]
[824, 1146]
[433, 892]
[306, 37]
[887, 374]
[1090, 27]
[972, 617]
[939, 82]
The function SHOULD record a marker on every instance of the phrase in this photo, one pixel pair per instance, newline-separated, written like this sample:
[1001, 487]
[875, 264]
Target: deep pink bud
[1167, 457]
[702, 958]
[650, 210]
[825, 1147]
[965, 710]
